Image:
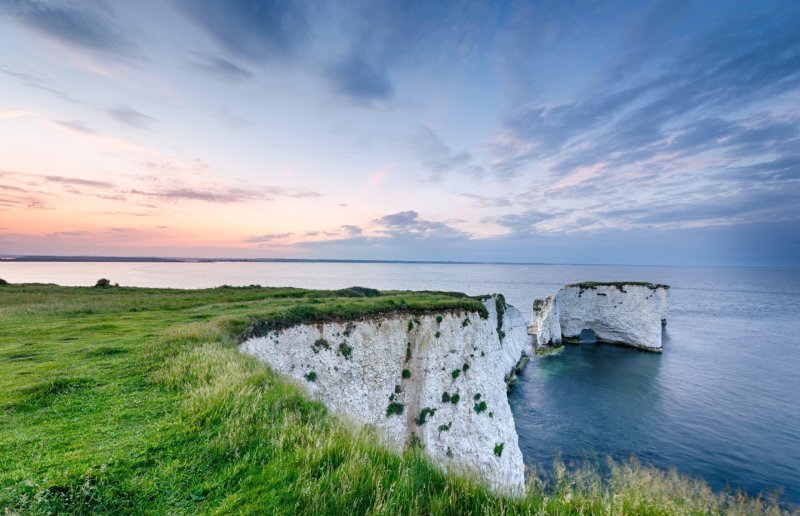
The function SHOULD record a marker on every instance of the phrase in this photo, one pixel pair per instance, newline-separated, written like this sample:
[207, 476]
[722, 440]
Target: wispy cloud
[76, 126]
[482, 201]
[359, 80]
[131, 117]
[439, 159]
[77, 181]
[223, 69]
[255, 30]
[86, 25]
[270, 237]
[226, 194]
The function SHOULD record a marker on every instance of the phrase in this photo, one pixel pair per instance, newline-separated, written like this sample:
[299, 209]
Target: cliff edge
[435, 381]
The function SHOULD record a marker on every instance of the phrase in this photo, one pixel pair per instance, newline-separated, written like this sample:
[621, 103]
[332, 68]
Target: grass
[545, 351]
[119, 400]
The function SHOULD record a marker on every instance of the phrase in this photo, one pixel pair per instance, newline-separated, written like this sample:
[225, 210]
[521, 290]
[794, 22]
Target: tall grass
[175, 420]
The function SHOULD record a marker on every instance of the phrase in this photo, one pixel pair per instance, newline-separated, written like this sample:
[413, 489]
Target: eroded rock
[434, 380]
[630, 314]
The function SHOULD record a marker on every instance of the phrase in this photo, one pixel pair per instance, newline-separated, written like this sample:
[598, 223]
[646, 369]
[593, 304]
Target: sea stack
[626, 313]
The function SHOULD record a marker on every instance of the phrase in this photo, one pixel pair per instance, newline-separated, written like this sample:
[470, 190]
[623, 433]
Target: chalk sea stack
[625, 313]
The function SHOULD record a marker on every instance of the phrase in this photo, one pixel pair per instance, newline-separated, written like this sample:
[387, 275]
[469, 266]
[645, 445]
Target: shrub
[465, 322]
[438, 334]
[356, 292]
[445, 397]
[445, 428]
[456, 373]
[410, 325]
[345, 350]
[439, 319]
[465, 367]
[406, 374]
[312, 376]
[423, 415]
[480, 407]
[500, 306]
[454, 398]
[498, 448]
[477, 397]
[3, 282]
[394, 409]
[102, 283]
[320, 344]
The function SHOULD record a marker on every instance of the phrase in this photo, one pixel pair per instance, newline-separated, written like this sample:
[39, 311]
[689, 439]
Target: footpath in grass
[122, 400]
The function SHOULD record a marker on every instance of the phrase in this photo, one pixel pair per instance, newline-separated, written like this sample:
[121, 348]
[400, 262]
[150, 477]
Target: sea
[722, 402]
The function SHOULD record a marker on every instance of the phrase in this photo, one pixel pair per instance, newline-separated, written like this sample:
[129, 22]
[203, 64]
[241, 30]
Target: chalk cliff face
[622, 313]
[432, 380]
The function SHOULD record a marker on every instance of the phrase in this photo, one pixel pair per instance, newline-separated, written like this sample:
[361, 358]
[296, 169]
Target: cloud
[382, 40]
[224, 69]
[76, 181]
[260, 239]
[351, 230]
[87, 25]
[359, 80]
[408, 224]
[439, 159]
[34, 80]
[258, 30]
[77, 126]
[738, 61]
[131, 117]
[523, 223]
[482, 201]
[226, 194]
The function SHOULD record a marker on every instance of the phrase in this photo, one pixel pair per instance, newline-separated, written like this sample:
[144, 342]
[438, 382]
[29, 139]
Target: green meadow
[127, 400]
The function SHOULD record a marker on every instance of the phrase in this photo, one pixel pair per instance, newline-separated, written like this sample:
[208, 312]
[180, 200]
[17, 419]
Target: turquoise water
[721, 401]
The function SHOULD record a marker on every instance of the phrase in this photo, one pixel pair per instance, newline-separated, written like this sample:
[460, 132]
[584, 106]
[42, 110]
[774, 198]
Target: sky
[556, 132]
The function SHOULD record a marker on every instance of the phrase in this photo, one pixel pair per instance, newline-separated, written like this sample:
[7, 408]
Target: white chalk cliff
[435, 380]
[631, 314]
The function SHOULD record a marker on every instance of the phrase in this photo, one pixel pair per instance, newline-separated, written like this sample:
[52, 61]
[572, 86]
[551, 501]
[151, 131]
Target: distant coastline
[155, 259]
[169, 259]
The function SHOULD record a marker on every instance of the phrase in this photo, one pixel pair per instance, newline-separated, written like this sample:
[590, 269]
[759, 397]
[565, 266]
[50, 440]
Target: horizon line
[173, 259]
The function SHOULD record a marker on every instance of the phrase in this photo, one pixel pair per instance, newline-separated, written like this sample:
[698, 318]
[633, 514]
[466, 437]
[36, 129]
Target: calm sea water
[721, 402]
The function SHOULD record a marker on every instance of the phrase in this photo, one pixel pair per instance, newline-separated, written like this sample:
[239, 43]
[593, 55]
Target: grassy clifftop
[123, 400]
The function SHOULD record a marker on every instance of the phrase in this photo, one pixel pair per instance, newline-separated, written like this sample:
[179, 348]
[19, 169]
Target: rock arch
[626, 313]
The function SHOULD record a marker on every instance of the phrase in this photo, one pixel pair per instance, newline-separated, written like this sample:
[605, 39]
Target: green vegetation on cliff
[119, 400]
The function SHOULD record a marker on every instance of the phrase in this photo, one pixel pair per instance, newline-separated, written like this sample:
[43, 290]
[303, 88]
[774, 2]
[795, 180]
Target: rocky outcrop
[435, 380]
[630, 314]
[545, 325]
